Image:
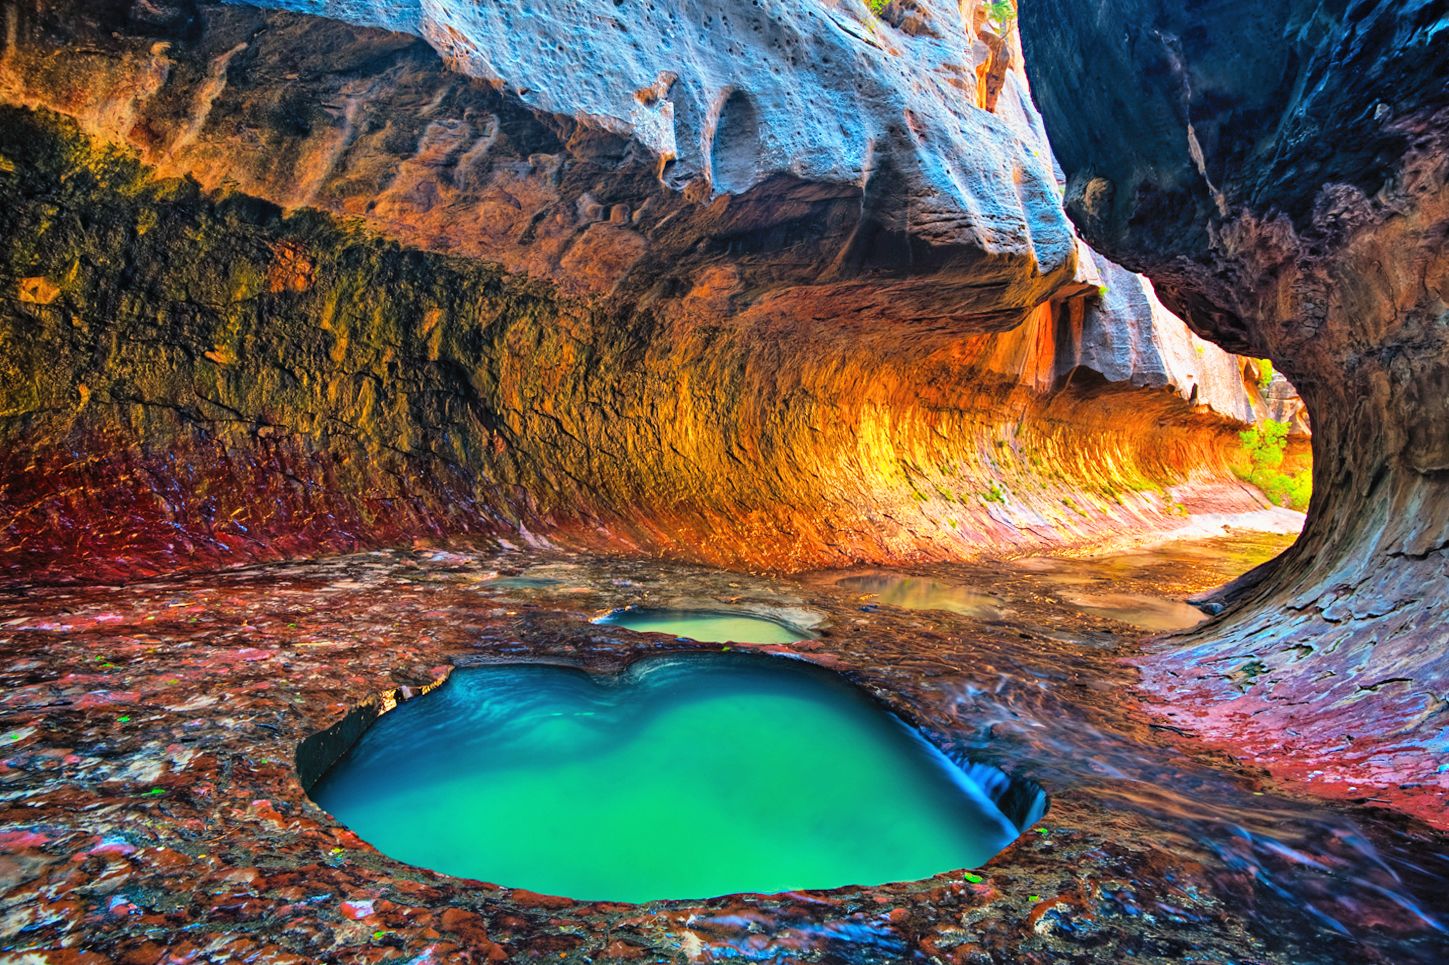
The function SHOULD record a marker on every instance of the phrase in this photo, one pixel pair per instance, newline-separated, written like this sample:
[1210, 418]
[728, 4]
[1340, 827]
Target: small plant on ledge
[1265, 374]
[1000, 14]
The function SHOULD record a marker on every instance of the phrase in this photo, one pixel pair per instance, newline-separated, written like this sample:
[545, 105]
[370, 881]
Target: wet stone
[1155, 848]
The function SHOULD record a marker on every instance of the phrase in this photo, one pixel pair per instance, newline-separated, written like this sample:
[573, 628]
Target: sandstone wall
[190, 381]
[1279, 171]
[281, 284]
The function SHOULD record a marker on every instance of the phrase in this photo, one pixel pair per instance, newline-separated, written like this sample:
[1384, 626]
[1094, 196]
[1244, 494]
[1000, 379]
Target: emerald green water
[704, 626]
[689, 777]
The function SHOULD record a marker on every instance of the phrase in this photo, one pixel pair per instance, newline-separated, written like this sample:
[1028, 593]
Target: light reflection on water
[923, 593]
[1091, 585]
[705, 626]
[1139, 609]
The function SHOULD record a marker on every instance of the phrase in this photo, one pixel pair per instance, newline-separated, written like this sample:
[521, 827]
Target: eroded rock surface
[232, 384]
[1279, 171]
[791, 373]
[604, 147]
[159, 811]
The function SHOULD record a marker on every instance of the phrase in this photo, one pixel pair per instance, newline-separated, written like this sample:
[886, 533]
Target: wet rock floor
[152, 810]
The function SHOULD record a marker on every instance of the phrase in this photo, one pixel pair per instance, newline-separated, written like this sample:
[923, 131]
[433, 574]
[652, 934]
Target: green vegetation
[1265, 374]
[995, 494]
[877, 7]
[1263, 448]
[999, 13]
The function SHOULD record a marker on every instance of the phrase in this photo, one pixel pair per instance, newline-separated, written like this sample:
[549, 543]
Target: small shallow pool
[705, 626]
[1140, 610]
[687, 777]
[923, 593]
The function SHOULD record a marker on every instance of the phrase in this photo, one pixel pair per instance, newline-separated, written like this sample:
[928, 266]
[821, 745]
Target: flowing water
[688, 777]
[705, 626]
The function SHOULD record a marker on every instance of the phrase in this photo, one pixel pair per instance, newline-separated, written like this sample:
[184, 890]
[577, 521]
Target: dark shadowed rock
[1279, 171]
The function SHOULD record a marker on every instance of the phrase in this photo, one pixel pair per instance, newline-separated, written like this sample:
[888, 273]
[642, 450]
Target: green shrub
[1263, 447]
[1265, 374]
[999, 13]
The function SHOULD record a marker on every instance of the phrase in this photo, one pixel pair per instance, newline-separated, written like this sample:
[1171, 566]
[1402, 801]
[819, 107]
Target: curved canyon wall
[1279, 171]
[279, 284]
[810, 151]
[231, 383]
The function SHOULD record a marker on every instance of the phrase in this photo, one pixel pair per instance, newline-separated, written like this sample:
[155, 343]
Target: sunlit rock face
[1127, 335]
[1288, 196]
[229, 383]
[399, 301]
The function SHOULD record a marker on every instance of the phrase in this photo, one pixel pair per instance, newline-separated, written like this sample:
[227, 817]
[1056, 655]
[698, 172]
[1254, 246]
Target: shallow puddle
[1139, 609]
[1105, 585]
[523, 583]
[687, 777]
[923, 593]
[704, 626]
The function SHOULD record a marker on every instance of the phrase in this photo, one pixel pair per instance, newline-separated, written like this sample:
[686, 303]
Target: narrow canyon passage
[480, 481]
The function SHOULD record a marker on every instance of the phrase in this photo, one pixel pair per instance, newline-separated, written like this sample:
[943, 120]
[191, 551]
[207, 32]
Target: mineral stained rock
[157, 812]
[229, 383]
[1279, 171]
[397, 302]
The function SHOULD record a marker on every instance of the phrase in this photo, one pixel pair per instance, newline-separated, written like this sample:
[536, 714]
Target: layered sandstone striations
[280, 284]
[212, 380]
[1279, 171]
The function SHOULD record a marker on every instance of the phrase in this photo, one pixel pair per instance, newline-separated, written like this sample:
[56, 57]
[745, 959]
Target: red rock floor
[152, 811]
